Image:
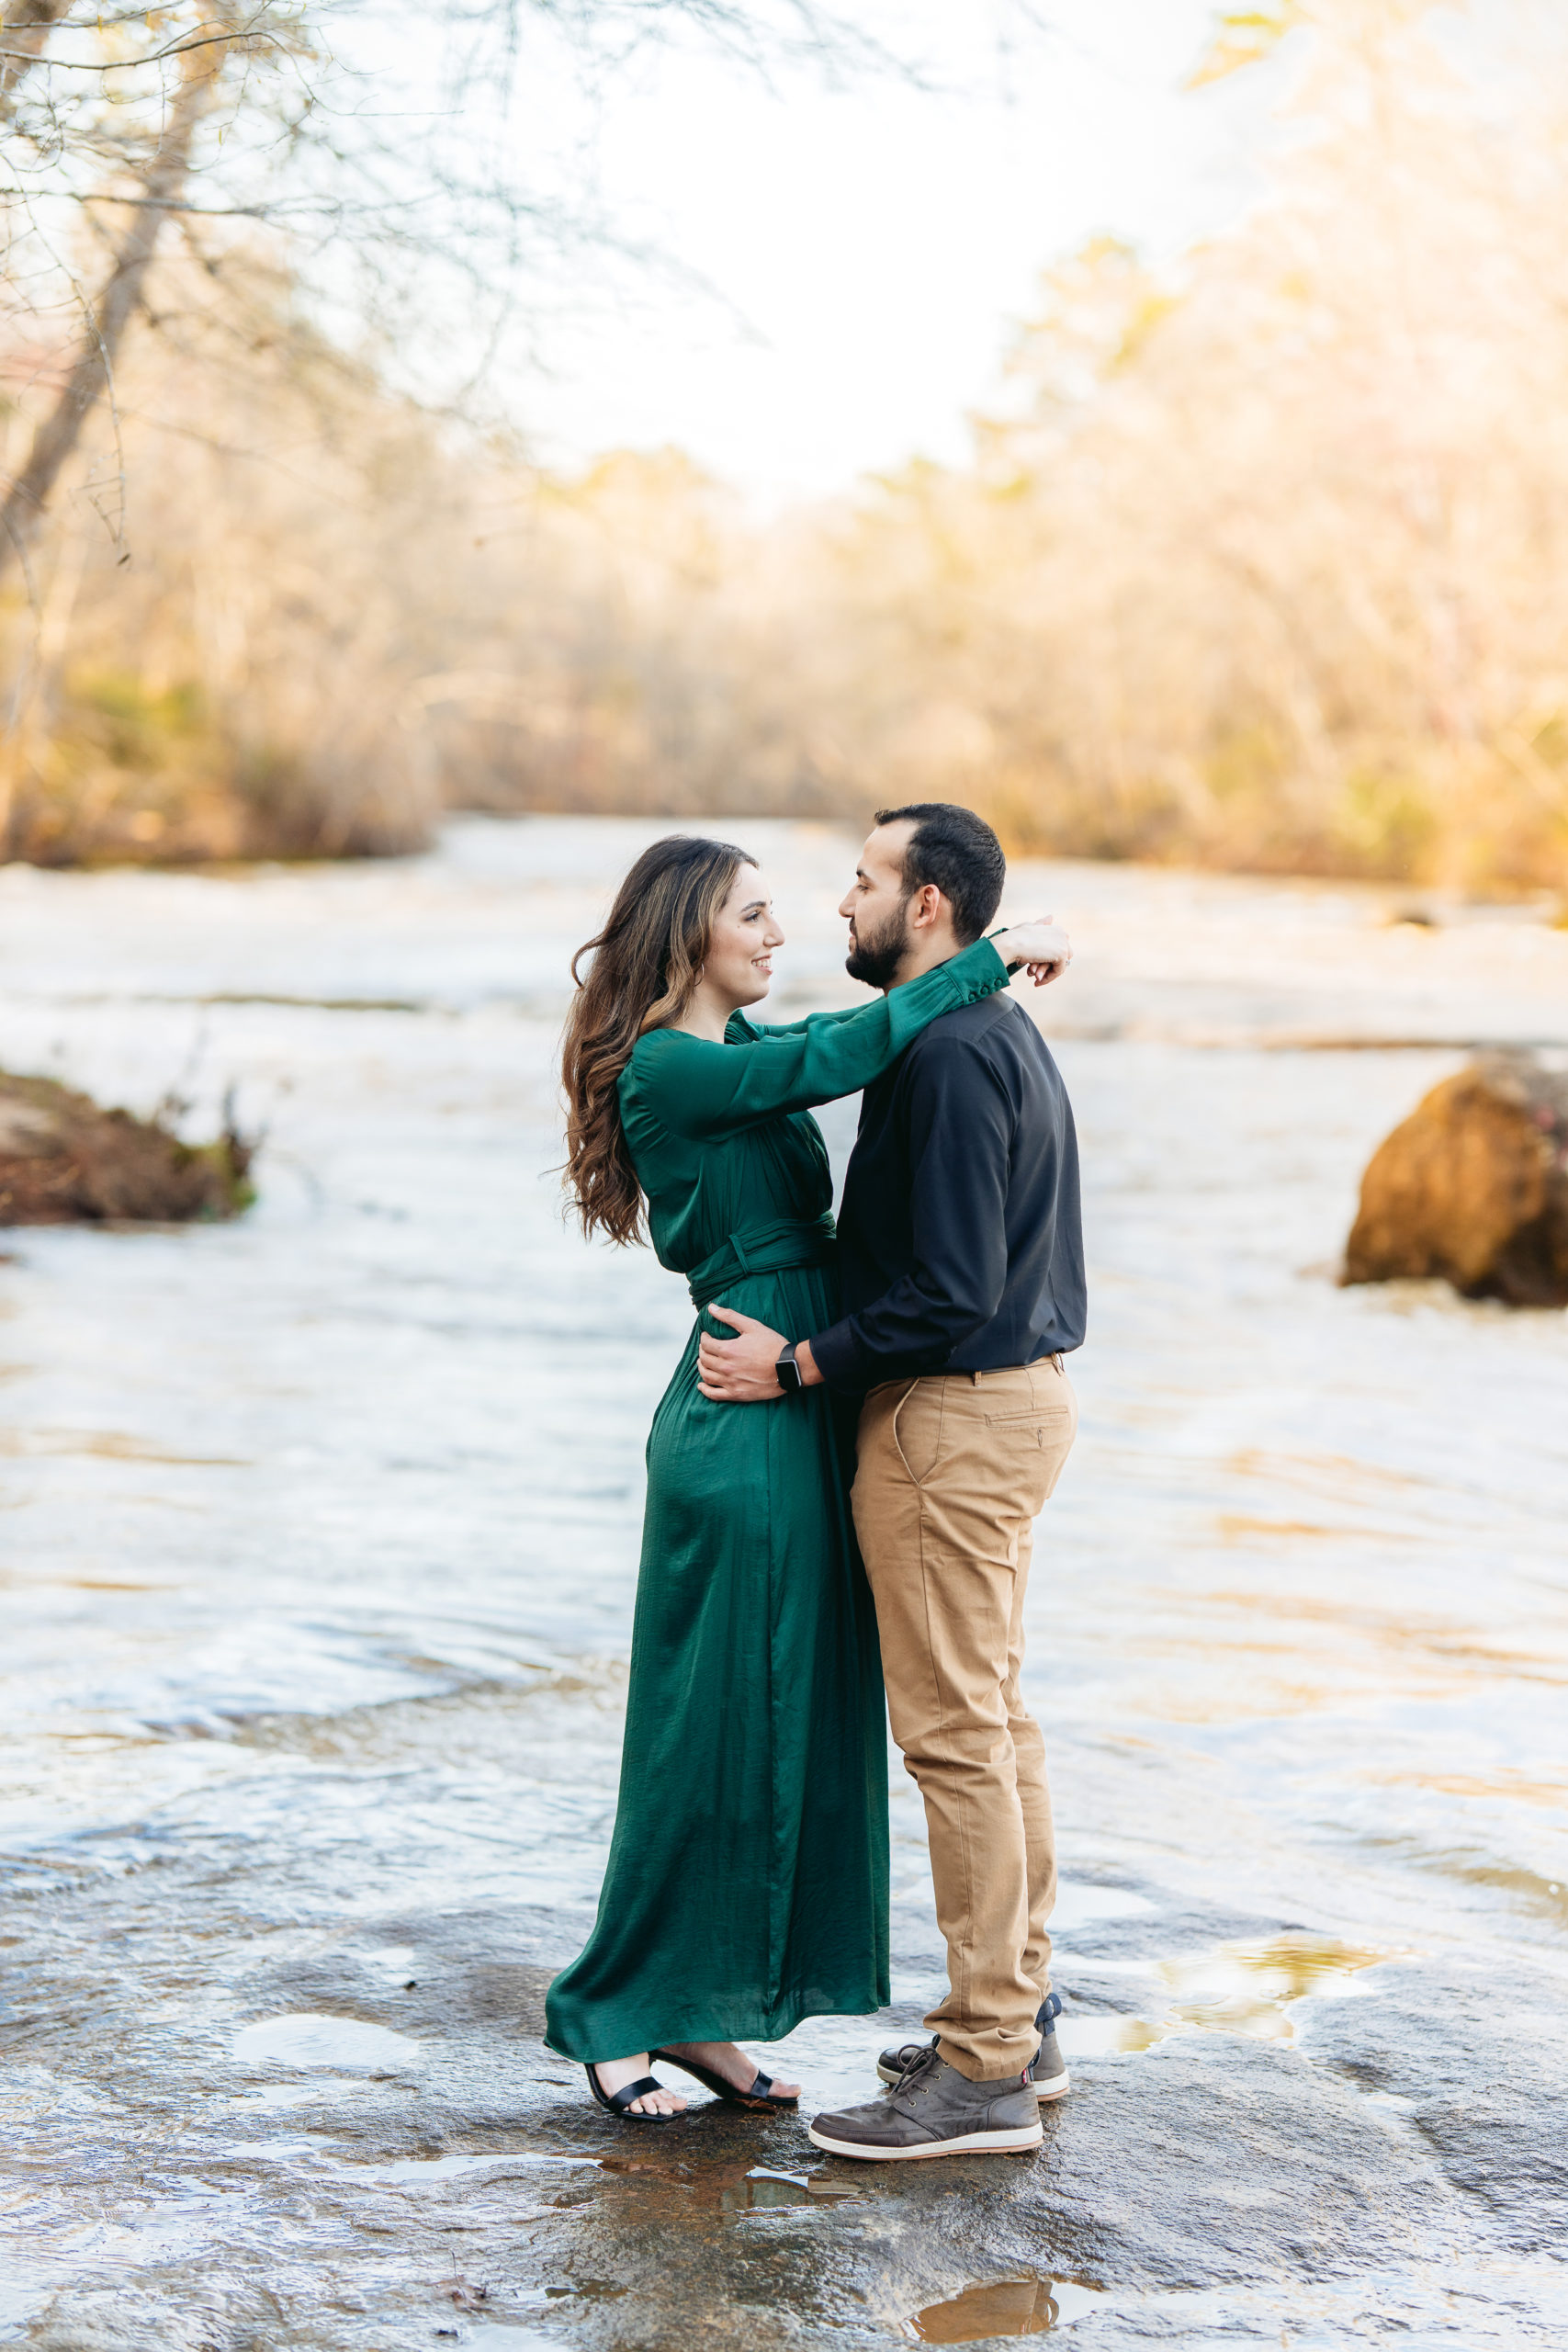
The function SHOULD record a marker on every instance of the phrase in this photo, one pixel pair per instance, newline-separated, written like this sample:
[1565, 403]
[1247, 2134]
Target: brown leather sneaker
[935, 2111]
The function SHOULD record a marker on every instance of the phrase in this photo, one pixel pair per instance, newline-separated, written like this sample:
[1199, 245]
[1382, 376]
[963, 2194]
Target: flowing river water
[316, 1568]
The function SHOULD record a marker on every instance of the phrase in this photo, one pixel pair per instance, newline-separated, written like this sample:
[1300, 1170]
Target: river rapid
[317, 1556]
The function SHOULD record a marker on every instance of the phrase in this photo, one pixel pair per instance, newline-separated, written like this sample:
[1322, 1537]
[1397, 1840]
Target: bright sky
[877, 241]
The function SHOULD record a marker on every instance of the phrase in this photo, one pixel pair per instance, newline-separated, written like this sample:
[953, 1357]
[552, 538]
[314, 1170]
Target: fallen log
[65, 1161]
[1474, 1187]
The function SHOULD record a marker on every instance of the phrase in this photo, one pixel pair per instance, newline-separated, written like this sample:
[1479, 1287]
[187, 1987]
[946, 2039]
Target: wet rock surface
[1473, 1188]
[308, 2130]
[64, 1161]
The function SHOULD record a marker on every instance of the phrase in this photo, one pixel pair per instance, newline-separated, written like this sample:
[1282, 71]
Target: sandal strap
[762, 2087]
[631, 2092]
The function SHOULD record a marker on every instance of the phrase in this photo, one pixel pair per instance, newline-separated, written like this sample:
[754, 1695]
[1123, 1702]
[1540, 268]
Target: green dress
[747, 1883]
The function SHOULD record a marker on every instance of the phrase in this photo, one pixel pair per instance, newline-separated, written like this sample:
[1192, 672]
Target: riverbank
[319, 1548]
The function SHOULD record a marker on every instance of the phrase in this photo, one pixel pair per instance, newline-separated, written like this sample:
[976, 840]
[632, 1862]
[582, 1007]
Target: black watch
[792, 1380]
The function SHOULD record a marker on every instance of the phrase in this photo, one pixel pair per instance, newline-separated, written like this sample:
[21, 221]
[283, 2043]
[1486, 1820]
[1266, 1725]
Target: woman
[747, 1884]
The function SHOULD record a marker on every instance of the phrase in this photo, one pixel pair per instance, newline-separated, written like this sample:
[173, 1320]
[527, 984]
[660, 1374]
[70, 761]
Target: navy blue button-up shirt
[961, 1237]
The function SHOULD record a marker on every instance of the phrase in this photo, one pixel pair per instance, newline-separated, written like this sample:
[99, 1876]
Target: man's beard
[876, 960]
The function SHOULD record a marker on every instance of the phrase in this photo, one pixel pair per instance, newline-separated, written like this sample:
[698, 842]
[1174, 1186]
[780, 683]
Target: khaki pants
[952, 1474]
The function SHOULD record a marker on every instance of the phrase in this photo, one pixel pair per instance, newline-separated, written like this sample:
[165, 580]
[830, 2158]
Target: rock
[1473, 1186]
[64, 1161]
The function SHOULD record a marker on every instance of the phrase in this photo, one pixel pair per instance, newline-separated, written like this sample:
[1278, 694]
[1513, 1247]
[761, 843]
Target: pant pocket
[1060, 1437]
[917, 1428]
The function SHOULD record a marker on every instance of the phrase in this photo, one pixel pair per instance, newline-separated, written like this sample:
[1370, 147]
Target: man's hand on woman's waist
[744, 1371]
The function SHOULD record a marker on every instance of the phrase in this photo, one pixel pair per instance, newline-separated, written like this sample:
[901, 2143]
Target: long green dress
[747, 1883]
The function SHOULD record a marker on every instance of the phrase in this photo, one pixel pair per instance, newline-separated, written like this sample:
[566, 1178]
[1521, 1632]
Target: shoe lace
[916, 2067]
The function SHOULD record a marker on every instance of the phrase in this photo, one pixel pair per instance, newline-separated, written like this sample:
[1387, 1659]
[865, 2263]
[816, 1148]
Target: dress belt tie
[764, 1249]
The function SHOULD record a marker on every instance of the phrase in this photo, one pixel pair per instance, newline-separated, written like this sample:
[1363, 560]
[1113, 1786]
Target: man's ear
[928, 905]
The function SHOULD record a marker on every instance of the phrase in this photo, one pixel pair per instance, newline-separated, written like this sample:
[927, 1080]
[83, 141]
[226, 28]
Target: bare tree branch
[101, 66]
[28, 29]
[400, 205]
[94, 369]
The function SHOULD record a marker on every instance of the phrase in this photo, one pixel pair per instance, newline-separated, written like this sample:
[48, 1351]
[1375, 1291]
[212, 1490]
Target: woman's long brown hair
[646, 962]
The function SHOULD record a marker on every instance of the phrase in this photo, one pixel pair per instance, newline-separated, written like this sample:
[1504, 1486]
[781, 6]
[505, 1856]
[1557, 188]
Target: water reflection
[1110, 2037]
[1242, 1988]
[308, 2040]
[1246, 1987]
[1007, 2307]
[762, 2191]
[495, 2335]
[736, 2188]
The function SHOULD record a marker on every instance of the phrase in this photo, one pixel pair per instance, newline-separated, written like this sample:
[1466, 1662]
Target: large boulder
[1473, 1186]
[63, 1161]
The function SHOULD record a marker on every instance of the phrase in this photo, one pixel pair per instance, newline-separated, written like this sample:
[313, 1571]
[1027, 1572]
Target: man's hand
[742, 1371]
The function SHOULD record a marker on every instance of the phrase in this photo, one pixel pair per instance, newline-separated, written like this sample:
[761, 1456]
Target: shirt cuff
[997, 977]
[836, 1355]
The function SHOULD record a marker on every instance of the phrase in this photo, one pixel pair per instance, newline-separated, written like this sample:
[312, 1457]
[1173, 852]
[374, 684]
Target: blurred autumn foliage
[1262, 561]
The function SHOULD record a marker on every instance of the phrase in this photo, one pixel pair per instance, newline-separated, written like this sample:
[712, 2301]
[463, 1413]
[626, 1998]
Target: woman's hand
[1045, 950]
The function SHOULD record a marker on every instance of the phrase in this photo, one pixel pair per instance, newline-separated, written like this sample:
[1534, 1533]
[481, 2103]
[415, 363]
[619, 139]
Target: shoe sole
[973, 2144]
[1054, 2087]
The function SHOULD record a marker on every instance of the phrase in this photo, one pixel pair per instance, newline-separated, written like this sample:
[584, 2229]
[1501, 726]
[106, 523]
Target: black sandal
[758, 2100]
[619, 2103]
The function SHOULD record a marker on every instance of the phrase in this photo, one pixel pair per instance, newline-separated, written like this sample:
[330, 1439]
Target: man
[961, 1256]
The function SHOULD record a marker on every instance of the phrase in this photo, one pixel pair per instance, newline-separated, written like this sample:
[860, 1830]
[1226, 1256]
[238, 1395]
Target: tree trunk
[24, 36]
[162, 184]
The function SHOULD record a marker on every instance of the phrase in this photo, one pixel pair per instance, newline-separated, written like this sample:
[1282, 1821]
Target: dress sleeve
[698, 1088]
[741, 1030]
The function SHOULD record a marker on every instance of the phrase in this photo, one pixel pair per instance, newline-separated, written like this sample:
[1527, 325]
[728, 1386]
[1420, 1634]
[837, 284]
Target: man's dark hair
[958, 852]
